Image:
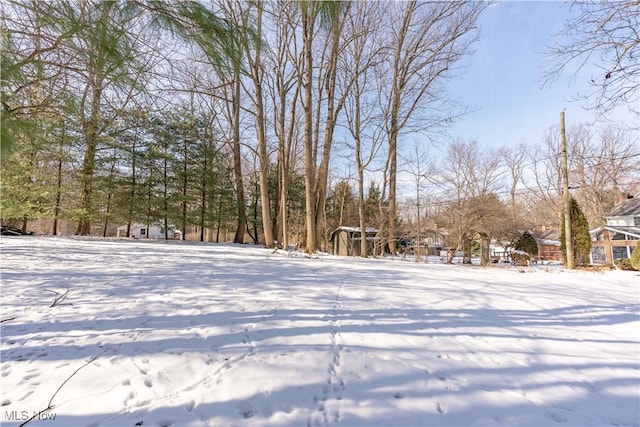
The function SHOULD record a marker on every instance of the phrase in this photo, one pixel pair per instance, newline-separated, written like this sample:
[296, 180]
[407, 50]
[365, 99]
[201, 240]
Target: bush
[527, 243]
[624, 264]
[521, 258]
[635, 257]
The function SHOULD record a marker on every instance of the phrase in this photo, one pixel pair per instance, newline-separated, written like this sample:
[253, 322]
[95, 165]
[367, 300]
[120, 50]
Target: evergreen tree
[580, 237]
[372, 205]
[527, 243]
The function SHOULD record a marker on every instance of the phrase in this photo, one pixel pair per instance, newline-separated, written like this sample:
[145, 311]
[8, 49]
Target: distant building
[549, 245]
[346, 240]
[141, 231]
[618, 237]
[429, 242]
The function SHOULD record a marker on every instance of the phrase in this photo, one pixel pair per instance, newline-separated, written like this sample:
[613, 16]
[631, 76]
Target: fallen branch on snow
[59, 296]
[50, 405]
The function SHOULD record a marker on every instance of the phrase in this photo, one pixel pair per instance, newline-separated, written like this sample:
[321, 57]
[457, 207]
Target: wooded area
[226, 120]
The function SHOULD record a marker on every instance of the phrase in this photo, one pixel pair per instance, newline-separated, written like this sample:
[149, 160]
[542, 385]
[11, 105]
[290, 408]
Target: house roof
[630, 207]
[549, 237]
[634, 231]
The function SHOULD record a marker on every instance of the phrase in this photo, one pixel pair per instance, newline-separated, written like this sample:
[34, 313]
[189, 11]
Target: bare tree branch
[603, 37]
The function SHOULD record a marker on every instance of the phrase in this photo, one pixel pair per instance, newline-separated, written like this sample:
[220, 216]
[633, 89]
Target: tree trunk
[256, 72]
[237, 166]
[332, 111]
[56, 209]
[91, 131]
[309, 159]
[485, 250]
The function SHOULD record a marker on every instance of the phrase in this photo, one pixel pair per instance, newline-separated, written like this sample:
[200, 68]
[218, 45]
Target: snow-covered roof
[356, 229]
[369, 230]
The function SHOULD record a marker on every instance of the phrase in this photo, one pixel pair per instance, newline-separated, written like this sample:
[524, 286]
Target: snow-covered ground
[192, 334]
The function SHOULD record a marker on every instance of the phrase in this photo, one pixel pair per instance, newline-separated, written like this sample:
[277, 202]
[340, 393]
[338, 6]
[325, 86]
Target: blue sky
[503, 77]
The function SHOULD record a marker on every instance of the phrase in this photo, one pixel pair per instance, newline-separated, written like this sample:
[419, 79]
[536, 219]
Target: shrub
[521, 258]
[624, 264]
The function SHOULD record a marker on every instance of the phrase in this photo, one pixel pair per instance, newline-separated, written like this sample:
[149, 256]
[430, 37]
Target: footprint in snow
[25, 396]
[129, 397]
[246, 411]
[556, 417]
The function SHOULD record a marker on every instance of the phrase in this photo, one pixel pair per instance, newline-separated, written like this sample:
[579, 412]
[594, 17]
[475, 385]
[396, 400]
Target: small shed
[346, 240]
[141, 231]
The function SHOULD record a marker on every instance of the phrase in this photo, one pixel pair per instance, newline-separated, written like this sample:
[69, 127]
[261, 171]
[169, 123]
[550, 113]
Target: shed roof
[357, 229]
[368, 230]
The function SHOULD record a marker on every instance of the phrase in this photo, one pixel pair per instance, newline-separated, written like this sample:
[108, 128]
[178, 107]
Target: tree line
[229, 116]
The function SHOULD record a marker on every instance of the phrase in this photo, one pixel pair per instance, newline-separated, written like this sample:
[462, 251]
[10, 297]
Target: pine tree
[527, 243]
[580, 237]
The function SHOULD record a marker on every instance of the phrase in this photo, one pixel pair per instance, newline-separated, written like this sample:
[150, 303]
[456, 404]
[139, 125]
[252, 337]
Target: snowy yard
[191, 334]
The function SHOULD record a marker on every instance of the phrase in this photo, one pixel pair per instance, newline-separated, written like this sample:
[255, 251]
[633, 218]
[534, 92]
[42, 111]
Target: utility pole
[566, 198]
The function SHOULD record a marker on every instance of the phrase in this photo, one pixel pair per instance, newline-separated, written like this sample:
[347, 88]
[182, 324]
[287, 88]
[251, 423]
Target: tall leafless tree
[362, 113]
[427, 39]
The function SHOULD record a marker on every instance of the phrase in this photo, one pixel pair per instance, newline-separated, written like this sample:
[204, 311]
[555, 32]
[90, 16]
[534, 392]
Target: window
[617, 236]
[143, 231]
[619, 252]
[597, 255]
[636, 221]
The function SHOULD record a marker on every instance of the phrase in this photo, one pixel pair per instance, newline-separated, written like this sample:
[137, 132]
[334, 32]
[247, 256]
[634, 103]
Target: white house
[619, 236]
[141, 231]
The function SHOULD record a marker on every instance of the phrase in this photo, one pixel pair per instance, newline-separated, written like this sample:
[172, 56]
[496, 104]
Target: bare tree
[420, 168]
[602, 162]
[602, 40]
[514, 160]
[327, 105]
[284, 95]
[470, 179]
[547, 176]
[362, 112]
[426, 40]
[256, 73]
